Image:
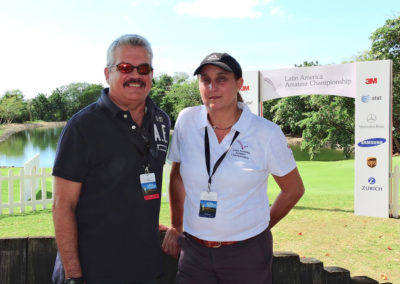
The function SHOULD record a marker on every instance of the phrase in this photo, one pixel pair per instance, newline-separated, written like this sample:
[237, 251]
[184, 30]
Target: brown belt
[212, 244]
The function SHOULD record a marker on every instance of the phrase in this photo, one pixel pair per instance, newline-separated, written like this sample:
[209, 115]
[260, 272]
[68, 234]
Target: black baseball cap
[222, 60]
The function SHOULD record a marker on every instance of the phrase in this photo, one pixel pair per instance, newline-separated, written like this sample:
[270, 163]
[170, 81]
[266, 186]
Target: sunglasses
[142, 69]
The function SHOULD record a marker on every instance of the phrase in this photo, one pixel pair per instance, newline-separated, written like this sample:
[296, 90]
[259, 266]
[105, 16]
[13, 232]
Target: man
[108, 176]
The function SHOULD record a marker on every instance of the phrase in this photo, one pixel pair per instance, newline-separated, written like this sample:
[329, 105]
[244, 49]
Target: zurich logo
[371, 142]
[371, 180]
[366, 98]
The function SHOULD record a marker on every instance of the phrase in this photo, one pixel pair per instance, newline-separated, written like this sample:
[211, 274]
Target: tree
[13, 108]
[180, 96]
[40, 107]
[161, 85]
[69, 99]
[386, 45]
[329, 123]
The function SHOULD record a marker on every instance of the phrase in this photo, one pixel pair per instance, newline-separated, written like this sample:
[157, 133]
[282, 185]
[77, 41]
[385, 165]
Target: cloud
[276, 11]
[221, 8]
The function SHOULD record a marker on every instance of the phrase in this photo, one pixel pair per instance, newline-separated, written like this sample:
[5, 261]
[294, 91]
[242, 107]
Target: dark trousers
[154, 281]
[249, 261]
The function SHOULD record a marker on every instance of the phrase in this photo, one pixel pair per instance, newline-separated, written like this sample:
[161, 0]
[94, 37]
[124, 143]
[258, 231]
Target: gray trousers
[249, 261]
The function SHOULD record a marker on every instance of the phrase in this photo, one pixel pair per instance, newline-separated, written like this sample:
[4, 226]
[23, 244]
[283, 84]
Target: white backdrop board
[373, 139]
[250, 91]
[370, 84]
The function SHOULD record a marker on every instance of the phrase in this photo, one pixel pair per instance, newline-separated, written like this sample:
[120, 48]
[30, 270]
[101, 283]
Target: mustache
[134, 81]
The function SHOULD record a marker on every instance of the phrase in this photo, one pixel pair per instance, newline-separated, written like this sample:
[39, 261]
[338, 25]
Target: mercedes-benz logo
[371, 118]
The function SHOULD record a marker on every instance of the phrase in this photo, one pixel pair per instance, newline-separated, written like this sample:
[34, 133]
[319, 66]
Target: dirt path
[12, 128]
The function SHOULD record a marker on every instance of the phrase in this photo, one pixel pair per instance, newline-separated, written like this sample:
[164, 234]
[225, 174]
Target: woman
[222, 155]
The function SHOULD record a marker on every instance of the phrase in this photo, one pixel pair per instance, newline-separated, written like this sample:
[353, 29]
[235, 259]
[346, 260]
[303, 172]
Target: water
[22, 146]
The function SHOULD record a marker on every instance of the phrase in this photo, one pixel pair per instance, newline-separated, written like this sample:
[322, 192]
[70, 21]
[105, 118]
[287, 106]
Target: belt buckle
[218, 245]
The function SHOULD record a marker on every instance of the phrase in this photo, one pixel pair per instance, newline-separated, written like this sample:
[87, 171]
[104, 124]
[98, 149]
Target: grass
[321, 226]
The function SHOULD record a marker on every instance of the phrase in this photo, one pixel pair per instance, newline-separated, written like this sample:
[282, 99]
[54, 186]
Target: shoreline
[12, 128]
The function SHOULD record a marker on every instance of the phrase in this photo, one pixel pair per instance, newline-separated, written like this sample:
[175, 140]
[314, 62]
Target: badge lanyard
[219, 161]
[209, 199]
[148, 179]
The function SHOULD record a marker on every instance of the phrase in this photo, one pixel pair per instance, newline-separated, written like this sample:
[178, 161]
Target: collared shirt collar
[241, 125]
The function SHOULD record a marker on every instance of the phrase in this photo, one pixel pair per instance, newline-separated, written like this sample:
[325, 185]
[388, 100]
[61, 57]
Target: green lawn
[322, 225]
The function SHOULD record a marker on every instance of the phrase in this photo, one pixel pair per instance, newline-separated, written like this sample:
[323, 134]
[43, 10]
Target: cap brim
[218, 64]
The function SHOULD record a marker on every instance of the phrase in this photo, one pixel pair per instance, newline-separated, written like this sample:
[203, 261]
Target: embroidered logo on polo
[242, 151]
[160, 135]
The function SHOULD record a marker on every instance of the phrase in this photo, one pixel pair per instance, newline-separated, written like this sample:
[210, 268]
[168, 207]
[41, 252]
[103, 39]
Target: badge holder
[208, 203]
[149, 185]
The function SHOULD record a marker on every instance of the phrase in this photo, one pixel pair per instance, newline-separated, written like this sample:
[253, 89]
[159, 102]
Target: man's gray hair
[132, 40]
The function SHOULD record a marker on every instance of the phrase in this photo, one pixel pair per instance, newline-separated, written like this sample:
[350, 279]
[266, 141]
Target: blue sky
[46, 44]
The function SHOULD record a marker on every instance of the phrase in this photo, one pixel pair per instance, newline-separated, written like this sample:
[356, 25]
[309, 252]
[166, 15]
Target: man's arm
[177, 197]
[66, 197]
[292, 189]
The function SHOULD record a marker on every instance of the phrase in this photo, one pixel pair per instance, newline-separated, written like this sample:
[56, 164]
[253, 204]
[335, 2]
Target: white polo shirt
[241, 179]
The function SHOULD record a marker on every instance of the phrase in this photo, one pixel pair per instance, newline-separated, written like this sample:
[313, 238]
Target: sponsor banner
[250, 91]
[370, 84]
[373, 139]
[336, 80]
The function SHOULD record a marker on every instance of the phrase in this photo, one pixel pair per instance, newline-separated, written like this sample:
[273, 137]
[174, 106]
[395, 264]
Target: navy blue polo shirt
[105, 150]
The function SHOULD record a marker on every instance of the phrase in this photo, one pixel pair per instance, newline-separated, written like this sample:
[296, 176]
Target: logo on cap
[212, 57]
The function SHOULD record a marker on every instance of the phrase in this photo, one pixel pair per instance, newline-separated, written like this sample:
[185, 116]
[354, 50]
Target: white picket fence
[44, 201]
[34, 179]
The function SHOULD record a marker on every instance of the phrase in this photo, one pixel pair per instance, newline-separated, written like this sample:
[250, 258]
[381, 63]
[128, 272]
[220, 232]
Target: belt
[211, 244]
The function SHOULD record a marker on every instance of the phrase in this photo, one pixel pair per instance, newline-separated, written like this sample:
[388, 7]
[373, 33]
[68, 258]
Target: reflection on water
[22, 146]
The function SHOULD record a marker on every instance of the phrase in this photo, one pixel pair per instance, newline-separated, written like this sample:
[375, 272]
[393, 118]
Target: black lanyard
[219, 161]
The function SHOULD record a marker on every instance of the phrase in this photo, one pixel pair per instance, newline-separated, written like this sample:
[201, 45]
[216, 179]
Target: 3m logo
[245, 88]
[369, 81]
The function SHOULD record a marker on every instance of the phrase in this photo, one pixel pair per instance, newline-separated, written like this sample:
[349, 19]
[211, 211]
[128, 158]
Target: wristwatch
[78, 280]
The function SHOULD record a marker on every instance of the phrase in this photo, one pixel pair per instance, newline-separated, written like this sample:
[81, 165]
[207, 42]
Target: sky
[46, 44]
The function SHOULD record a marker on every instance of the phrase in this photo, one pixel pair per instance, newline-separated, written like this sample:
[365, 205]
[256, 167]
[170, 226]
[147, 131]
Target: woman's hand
[170, 244]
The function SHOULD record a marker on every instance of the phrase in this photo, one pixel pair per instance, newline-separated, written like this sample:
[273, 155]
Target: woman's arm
[292, 189]
[177, 197]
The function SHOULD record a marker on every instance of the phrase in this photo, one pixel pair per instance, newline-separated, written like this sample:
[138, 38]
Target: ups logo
[371, 162]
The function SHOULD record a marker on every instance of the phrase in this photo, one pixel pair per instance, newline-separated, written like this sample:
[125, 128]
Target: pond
[22, 146]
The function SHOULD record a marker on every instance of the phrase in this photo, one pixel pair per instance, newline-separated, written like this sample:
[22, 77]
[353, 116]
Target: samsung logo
[371, 142]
